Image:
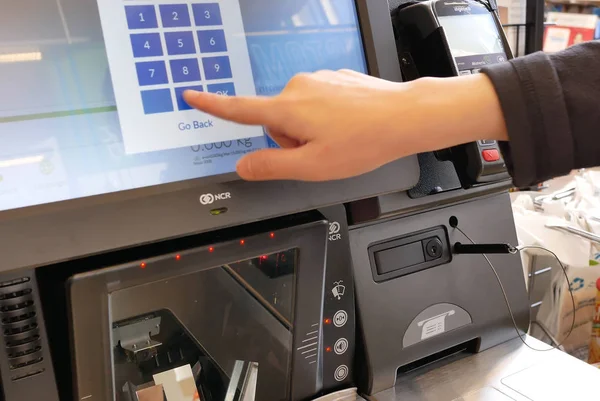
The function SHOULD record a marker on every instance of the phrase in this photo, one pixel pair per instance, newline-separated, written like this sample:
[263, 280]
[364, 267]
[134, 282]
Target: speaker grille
[19, 328]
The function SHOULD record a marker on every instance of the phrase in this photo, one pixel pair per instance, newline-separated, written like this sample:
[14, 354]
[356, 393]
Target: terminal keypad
[180, 46]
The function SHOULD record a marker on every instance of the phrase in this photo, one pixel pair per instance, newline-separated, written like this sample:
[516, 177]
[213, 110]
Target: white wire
[512, 316]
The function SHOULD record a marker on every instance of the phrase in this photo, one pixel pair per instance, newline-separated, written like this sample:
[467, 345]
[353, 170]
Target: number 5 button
[207, 14]
[212, 41]
[180, 43]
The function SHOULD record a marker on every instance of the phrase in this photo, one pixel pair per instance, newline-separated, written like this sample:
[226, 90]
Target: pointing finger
[243, 110]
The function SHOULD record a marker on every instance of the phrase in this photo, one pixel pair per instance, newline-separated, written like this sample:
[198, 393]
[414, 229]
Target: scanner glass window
[225, 330]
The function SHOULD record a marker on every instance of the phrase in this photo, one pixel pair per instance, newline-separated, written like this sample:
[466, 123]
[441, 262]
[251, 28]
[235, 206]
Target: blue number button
[207, 14]
[146, 45]
[181, 104]
[175, 15]
[141, 17]
[217, 67]
[180, 43]
[157, 101]
[212, 41]
[186, 70]
[152, 73]
[222, 89]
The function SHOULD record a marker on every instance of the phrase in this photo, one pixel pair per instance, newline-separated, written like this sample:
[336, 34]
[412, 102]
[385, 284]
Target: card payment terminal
[444, 38]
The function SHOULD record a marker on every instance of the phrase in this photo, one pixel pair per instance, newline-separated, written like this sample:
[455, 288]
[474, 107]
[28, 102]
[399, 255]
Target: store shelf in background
[568, 29]
[592, 3]
[512, 15]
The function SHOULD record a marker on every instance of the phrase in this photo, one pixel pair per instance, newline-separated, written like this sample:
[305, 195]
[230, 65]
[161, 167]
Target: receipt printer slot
[409, 254]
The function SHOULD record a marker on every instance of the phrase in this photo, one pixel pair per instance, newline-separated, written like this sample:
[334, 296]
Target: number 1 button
[207, 14]
[141, 17]
[175, 15]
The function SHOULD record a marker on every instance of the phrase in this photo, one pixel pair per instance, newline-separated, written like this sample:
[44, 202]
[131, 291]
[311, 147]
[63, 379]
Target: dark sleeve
[551, 105]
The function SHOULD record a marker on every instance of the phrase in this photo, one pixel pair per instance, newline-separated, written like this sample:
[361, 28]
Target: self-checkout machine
[436, 324]
[134, 262]
[131, 258]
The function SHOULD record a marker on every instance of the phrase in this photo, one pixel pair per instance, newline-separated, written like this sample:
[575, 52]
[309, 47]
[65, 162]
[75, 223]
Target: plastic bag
[580, 256]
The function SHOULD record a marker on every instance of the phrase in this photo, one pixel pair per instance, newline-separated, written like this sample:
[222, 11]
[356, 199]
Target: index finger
[239, 109]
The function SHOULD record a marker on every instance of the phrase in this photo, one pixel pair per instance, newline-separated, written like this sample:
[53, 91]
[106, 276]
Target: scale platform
[507, 372]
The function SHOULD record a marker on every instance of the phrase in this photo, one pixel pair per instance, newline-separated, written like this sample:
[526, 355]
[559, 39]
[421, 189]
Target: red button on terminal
[491, 155]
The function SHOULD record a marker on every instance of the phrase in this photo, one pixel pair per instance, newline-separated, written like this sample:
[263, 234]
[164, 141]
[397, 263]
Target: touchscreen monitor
[91, 89]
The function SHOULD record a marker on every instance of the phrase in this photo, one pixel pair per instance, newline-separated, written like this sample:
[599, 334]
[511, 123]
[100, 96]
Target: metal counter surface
[510, 371]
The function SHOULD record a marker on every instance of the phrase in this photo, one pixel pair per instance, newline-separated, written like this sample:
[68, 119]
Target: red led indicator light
[211, 249]
[328, 349]
[264, 257]
[143, 265]
[327, 321]
[272, 235]
[177, 257]
[242, 242]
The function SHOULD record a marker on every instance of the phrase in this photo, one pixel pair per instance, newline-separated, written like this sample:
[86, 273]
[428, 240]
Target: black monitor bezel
[50, 233]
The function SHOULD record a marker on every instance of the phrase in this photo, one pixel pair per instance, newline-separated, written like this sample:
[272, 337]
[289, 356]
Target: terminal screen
[474, 39]
[92, 89]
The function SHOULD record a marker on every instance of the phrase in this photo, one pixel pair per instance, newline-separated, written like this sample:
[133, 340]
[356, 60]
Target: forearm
[551, 107]
[447, 112]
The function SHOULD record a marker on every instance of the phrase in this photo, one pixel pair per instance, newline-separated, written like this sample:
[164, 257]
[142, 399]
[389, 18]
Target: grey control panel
[409, 254]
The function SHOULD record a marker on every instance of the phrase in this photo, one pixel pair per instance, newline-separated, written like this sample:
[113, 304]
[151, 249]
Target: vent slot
[20, 327]
[11, 283]
[24, 315]
[22, 304]
[26, 360]
[27, 375]
[24, 349]
[15, 294]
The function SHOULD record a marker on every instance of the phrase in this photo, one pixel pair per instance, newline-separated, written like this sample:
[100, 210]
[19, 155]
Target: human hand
[333, 125]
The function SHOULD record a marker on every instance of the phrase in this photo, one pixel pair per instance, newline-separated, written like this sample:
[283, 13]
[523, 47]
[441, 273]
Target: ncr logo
[334, 231]
[209, 199]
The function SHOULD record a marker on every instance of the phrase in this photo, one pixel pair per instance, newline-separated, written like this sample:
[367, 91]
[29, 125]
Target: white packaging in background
[579, 256]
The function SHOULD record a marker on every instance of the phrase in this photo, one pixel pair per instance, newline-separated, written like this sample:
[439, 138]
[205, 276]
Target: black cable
[564, 270]
[486, 4]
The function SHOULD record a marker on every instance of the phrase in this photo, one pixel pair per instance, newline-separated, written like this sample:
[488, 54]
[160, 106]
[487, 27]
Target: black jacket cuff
[530, 94]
